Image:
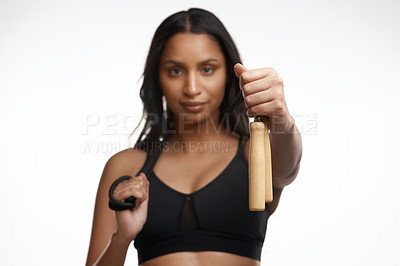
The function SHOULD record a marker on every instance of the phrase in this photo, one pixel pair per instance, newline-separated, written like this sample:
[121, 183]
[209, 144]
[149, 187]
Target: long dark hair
[158, 125]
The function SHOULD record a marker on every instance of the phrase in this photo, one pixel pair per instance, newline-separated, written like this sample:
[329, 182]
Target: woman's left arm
[263, 94]
[286, 152]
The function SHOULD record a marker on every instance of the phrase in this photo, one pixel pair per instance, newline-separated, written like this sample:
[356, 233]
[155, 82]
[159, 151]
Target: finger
[239, 69]
[145, 177]
[258, 85]
[143, 186]
[133, 190]
[256, 74]
[136, 187]
[266, 109]
[258, 98]
[146, 187]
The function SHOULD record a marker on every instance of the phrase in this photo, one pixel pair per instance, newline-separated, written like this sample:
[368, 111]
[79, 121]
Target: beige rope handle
[260, 167]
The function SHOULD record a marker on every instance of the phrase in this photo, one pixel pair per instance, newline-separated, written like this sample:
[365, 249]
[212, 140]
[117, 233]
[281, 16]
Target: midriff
[201, 258]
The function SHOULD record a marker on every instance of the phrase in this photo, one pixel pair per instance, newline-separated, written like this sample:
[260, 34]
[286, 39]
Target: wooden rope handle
[260, 174]
[268, 163]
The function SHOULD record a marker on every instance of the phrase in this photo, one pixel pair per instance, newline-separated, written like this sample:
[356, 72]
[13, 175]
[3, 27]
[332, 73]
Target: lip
[194, 106]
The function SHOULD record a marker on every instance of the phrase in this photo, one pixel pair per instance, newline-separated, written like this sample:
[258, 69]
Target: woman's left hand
[263, 95]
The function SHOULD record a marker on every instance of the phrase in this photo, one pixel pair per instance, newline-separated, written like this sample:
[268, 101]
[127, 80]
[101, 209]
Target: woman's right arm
[112, 232]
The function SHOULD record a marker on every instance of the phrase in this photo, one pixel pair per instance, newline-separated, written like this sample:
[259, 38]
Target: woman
[193, 207]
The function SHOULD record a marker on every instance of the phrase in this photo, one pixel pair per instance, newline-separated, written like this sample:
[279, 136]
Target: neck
[189, 133]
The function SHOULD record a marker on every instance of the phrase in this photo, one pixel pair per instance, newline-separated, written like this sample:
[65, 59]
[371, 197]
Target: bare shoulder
[126, 162]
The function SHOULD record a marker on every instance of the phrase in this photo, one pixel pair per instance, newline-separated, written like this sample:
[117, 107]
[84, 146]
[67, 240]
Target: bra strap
[151, 160]
[152, 157]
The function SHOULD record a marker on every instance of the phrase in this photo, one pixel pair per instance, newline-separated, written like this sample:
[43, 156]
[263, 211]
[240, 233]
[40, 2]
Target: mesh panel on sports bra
[188, 219]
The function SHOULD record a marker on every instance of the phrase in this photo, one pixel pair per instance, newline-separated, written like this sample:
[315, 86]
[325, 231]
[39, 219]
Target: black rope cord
[129, 202]
[115, 204]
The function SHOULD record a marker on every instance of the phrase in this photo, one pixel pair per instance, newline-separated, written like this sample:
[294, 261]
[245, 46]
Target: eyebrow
[182, 64]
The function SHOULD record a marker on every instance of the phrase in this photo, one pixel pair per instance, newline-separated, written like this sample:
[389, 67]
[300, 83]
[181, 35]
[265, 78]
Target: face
[192, 76]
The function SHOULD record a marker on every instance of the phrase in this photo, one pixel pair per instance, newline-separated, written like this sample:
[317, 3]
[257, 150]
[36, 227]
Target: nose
[192, 87]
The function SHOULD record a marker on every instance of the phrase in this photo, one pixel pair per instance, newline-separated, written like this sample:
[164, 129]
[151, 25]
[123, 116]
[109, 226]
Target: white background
[65, 65]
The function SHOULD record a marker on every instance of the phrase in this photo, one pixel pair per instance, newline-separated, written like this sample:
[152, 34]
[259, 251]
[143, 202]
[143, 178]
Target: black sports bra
[214, 218]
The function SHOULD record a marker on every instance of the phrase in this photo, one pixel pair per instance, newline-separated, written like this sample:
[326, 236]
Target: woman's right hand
[131, 221]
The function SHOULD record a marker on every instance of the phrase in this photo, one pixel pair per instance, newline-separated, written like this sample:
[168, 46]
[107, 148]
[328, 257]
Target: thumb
[145, 176]
[239, 69]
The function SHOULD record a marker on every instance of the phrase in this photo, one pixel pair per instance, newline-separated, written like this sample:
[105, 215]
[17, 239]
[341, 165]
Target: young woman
[192, 208]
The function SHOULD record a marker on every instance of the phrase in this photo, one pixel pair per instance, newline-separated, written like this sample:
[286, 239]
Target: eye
[175, 71]
[208, 70]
